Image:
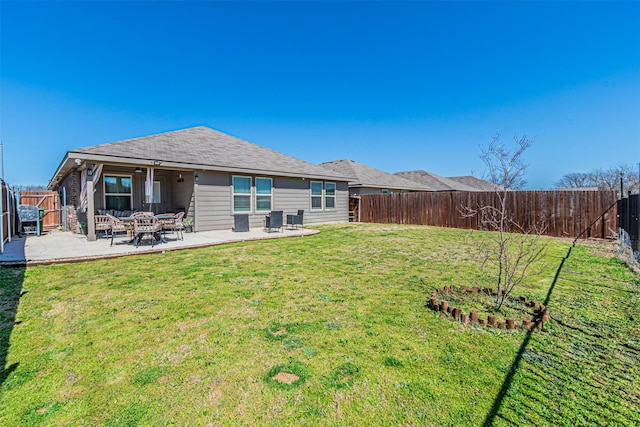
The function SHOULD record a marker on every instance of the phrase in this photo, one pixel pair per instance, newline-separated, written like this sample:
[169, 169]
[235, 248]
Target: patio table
[168, 221]
[147, 225]
[128, 223]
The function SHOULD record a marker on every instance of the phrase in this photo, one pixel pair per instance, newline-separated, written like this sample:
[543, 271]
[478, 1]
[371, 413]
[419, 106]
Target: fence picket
[566, 213]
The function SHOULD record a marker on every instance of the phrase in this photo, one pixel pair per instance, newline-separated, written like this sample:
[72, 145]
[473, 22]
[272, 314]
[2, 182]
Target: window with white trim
[264, 194]
[242, 194]
[117, 192]
[316, 195]
[156, 197]
[329, 195]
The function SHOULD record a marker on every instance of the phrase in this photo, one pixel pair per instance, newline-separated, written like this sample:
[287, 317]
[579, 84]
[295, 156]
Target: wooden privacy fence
[564, 213]
[4, 211]
[7, 214]
[47, 200]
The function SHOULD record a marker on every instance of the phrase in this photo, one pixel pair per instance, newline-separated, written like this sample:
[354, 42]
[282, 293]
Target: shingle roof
[477, 183]
[366, 176]
[204, 148]
[434, 182]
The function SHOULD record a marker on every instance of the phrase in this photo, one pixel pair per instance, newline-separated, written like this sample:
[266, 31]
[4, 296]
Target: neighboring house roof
[477, 183]
[199, 148]
[434, 182]
[577, 189]
[366, 176]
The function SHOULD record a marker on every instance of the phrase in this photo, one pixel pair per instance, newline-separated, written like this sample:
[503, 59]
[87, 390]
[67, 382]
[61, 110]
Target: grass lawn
[195, 337]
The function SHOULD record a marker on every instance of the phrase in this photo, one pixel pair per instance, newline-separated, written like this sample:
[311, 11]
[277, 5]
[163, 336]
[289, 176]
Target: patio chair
[146, 225]
[294, 220]
[117, 226]
[136, 214]
[273, 220]
[241, 222]
[103, 224]
[173, 224]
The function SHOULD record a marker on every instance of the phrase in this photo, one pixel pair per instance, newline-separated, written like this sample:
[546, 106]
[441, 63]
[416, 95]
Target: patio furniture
[146, 225]
[294, 220]
[115, 212]
[119, 226]
[241, 222]
[103, 224]
[137, 214]
[273, 220]
[172, 223]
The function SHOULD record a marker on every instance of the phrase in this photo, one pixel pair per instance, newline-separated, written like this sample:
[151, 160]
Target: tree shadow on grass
[506, 384]
[571, 372]
[11, 279]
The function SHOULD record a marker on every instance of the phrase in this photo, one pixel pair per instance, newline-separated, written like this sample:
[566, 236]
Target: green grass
[194, 337]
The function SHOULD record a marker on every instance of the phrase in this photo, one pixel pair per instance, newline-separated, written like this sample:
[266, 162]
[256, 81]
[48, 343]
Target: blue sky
[394, 85]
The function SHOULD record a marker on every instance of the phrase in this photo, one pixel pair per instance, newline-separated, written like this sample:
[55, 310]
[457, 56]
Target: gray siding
[173, 194]
[291, 194]
[182, 192]
[213, 201]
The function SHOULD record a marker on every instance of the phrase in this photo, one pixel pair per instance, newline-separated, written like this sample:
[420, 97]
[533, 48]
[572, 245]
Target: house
[206, 173]
[434, 182]
[477, 183]
[367, 180]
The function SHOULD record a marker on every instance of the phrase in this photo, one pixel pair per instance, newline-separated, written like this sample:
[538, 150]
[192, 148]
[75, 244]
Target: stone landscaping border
[540, 315]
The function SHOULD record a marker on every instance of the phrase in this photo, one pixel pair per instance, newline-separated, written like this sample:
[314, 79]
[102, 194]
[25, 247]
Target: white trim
[67, 163]
[335, 195]
[104, 188]
[233, 194]
[158, 193]
[311, 196]
[256, 194]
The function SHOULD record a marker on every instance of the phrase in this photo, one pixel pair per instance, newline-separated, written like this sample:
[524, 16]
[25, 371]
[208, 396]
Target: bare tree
[504, 166]
[33, 188]
[512, 249]
[575, 180]
[604, 179]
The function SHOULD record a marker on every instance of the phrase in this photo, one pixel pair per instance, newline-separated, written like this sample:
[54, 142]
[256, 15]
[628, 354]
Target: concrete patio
[64, 247]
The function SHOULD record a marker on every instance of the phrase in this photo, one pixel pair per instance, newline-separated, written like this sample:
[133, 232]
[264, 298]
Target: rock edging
[540, 315]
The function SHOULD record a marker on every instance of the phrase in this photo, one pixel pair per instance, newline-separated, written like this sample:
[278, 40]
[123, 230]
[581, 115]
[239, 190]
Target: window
[156, 193]
[263, 194]
[329, 195]
[241, 194]
[117, 192]
[316, 195]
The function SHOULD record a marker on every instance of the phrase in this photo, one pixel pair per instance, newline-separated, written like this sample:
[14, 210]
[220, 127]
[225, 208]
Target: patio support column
[91, 220]
[196, 178]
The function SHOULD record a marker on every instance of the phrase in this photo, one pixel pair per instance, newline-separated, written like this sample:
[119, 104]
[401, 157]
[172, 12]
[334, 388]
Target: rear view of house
[207, 174]
[368, 180]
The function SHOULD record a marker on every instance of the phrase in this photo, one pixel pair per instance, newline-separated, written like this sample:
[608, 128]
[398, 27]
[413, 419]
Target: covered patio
[209, 175]
[64, 247]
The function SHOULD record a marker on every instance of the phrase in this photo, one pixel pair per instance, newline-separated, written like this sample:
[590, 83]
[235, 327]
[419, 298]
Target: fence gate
[628, 213]
[48, 200]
